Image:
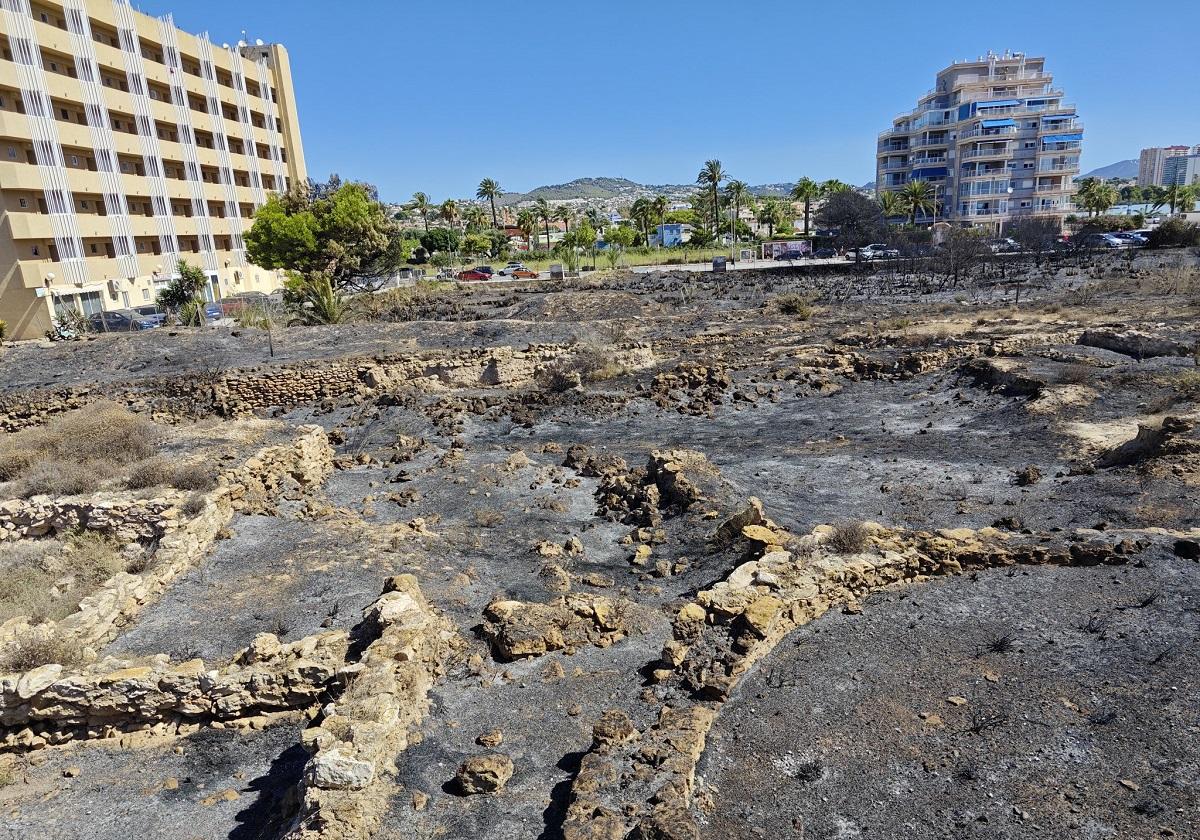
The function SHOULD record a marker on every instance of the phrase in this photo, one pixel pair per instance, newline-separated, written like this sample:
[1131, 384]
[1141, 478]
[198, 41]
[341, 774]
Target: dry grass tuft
[77, 452]
[848, 538]
[32, 650]
[44, 580]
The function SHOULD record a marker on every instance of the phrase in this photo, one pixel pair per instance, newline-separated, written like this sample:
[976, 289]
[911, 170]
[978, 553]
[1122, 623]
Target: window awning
[1059, 118]
[1062, 138]
[999, 103]
[998, 123]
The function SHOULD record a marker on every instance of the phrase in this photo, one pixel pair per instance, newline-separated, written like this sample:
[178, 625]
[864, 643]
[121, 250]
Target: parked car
[874, 251]
[1004, 246]
[824, 254]
[523, 273]
[790, 255]
[119, 320]
[511, 267]
[151, 314]
[1101, 240]
[473, 274]
[233, 304]
[1132, 237]
[485, 269]
[212, 311]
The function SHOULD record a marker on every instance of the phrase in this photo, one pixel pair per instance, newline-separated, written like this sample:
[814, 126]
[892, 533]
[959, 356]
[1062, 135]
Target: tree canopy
[857, 218]
[338, 229]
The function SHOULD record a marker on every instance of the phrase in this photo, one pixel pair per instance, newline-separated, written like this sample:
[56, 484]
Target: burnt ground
[869, 410]
[1079, 717]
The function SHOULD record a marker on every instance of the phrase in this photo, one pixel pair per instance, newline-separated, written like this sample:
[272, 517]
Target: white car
[511, 267]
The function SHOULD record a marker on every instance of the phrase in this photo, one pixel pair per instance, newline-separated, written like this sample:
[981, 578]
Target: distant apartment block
[1152, 163]
[1183, 170]
[995, 139]
[127, 145]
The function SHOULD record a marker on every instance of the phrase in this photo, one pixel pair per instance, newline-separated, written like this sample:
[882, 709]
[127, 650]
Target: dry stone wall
[129, 520]
[347, 784]
[277, 471]
[47, 706]
[641, 784]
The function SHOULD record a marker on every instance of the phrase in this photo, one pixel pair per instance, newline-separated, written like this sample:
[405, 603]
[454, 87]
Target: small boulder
[485, 773]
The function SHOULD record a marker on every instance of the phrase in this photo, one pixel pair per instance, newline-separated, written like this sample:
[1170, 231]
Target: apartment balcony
[888, 148]
[1058, 166]
[1058, 127]
[939, 160]
[1007, 131]
[1058, 148]
[928, 142]
[1001, 151]
[893, 167]
[974, 212]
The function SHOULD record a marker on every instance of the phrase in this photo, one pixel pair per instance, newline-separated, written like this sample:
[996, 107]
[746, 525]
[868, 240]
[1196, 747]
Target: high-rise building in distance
[127, 145]
[993, 137]
[1152, 163]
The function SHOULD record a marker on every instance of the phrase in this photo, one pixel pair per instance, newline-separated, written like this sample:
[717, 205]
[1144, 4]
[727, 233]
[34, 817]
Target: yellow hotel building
[127, 145]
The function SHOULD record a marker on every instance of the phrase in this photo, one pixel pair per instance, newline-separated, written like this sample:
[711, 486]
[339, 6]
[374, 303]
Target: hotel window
[93, 247]
[12, 152]
[24, 202]
[66, 115]
[36, 251]
[83, 205]
[74, 160]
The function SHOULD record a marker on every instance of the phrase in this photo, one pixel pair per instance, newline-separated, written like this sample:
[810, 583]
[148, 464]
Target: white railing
[978, 153]
[988, 132]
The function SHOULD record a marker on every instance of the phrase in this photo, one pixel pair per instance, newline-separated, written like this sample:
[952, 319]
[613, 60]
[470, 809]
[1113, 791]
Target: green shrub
[1175, 233]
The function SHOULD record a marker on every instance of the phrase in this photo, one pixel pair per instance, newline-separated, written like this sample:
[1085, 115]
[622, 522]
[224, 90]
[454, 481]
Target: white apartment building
[127, 145]
[1152, 163]
[993, 136]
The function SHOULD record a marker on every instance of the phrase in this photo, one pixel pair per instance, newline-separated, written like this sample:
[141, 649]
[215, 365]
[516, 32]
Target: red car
[473, 274]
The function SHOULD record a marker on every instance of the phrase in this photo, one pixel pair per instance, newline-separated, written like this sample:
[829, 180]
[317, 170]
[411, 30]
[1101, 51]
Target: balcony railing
[893, 147]
[984, 211]
[1050, 148]
[999, 151]
[928, 161]
[1049, 166]
[918, 144]
[892, 167]
[987, 132]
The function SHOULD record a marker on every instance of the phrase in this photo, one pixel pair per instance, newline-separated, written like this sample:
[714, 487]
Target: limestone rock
[485, 773]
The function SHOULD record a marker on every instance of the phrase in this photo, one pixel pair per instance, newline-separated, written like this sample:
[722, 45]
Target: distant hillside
[1124, 169]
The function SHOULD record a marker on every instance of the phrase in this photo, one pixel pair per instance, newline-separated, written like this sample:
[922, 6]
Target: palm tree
[594, 219]
[1177, 195]
[565, 214]
[808, 191]
[448, 210]
[641, 212]
[489, 188]
[474, 216]
[542, 208]
[917, 197]
[770, 214]
[738, 193]
[660, 205]
[833, 185]
[891, 204]
[421, 203]
[527, 221]
[711, 177]
[1097, 197]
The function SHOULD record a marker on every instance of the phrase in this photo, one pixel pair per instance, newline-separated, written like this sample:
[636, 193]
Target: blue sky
[433, 96]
